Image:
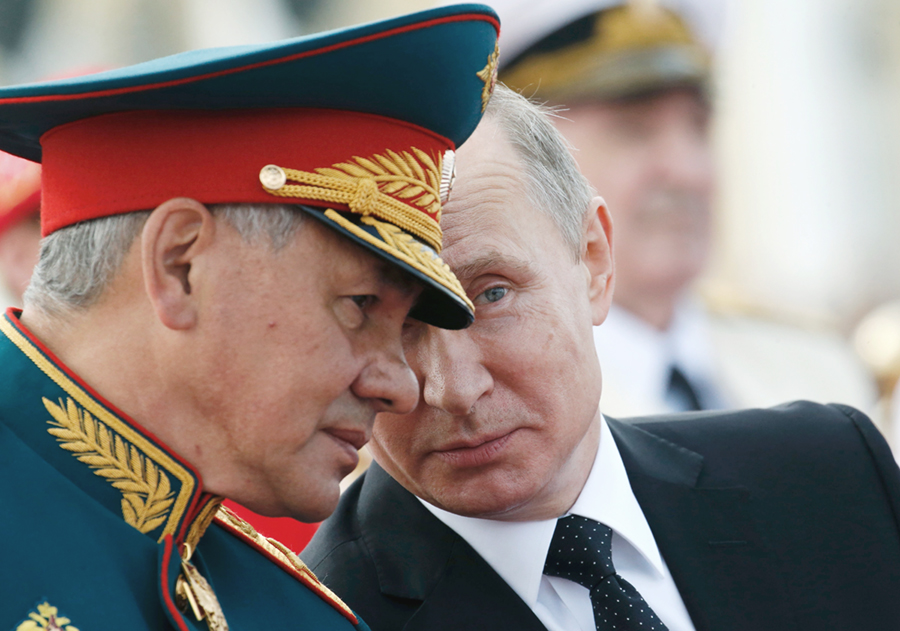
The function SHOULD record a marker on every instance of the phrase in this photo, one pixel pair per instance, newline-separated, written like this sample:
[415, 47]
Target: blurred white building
[809, 142]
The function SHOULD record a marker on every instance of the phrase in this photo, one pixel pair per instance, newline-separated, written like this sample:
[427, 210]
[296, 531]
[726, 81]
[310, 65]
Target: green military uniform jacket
[97, 515]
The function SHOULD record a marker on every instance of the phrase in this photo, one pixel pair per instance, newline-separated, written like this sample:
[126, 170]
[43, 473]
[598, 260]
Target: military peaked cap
[356, 126]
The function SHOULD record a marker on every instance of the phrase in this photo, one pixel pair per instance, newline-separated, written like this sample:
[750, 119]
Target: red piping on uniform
[164, 577]
[290, 569]
[13, 314]
[261, 64]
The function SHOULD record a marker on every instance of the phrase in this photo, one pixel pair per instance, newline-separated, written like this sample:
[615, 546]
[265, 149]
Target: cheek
[394, 436]
[403, 445]
[389, 447]
[558, 360]
[307, 341]
[282, 375]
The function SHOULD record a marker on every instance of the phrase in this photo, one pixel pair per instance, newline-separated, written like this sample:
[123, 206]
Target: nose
[451, 368]
[684, 157]
[387, 381]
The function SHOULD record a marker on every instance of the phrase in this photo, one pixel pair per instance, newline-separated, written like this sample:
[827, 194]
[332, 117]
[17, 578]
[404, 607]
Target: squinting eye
[412, 329]
[363, 301]
[495, 293]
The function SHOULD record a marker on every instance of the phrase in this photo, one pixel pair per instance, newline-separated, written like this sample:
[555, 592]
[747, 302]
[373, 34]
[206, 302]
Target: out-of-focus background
[807, 131]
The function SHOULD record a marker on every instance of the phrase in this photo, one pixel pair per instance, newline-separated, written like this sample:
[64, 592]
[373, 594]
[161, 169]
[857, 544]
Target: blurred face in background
[20, 245]
[651, 160]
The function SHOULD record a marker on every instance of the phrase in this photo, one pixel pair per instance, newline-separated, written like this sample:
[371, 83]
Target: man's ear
[597, 257]
[175, 233]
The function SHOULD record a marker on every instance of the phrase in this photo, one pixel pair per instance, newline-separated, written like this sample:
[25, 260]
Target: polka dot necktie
[581, 551]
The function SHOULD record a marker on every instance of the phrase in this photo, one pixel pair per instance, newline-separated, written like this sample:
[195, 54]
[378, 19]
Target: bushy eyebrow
[492, 260]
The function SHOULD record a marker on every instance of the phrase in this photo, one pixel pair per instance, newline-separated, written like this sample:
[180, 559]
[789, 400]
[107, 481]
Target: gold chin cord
[400, 188]
[193, 592]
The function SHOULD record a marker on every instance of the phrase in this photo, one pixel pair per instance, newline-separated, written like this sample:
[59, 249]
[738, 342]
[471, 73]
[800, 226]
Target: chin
[307, 507]
[485, 501]
[306, 512]
[315, 509]
[314, 515]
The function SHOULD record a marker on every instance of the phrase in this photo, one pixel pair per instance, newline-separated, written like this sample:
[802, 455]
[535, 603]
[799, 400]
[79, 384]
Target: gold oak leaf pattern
[46, 618]
[146, 491]
[400, 175]
[407, 249]
[488, 74]
[425, 257]
[391, 187]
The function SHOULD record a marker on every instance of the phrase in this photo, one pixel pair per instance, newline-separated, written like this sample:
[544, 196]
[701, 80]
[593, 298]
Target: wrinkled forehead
[503, 230]
[492, 207]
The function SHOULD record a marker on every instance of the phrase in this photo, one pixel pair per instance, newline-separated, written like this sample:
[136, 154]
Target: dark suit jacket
[768, 520]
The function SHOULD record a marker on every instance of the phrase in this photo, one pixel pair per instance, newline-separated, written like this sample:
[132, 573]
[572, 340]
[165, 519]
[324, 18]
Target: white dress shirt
[517, 550]
[731, 361]
[637, 360]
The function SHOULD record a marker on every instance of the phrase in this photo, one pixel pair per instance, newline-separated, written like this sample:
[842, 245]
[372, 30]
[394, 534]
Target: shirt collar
[517, 550]
[637, 352]
[642, 356]
[607, 497]
[689, 341]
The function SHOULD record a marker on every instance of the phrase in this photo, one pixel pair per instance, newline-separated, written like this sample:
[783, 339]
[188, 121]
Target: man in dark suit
[762, 519]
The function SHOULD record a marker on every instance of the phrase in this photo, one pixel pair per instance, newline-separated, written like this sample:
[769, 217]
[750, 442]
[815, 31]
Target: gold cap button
[272, 177]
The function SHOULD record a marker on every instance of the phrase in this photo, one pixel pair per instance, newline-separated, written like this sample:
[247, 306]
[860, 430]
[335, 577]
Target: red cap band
[131, 161]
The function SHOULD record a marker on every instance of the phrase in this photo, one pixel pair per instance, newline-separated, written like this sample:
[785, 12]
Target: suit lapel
[471, 595]
[419, 558]
[705, 534]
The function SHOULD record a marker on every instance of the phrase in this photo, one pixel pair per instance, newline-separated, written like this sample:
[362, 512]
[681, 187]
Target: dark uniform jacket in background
[95, 511]
[780, 519]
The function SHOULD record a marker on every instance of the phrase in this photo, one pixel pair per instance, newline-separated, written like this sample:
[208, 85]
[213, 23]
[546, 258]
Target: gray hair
[552, 176]
[78, 262]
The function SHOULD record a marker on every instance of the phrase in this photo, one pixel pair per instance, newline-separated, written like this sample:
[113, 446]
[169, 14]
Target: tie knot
[680, 392]
[581, 551]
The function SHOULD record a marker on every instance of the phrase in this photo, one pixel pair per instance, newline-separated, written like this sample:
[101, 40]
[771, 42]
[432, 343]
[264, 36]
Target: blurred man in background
[634, 80]
[20, 226]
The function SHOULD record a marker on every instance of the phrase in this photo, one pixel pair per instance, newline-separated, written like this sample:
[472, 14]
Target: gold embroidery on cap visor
[448, 175]
[386, 190]
[383, 186]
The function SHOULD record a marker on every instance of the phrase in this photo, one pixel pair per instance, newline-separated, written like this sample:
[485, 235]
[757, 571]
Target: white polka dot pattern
[581, 551]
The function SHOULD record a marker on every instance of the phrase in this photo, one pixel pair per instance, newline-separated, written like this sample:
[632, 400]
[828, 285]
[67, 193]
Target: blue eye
[495, 293]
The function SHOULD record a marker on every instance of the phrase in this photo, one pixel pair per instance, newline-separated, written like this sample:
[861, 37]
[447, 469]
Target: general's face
[300, 349]
[651, 160]
[507, 422]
